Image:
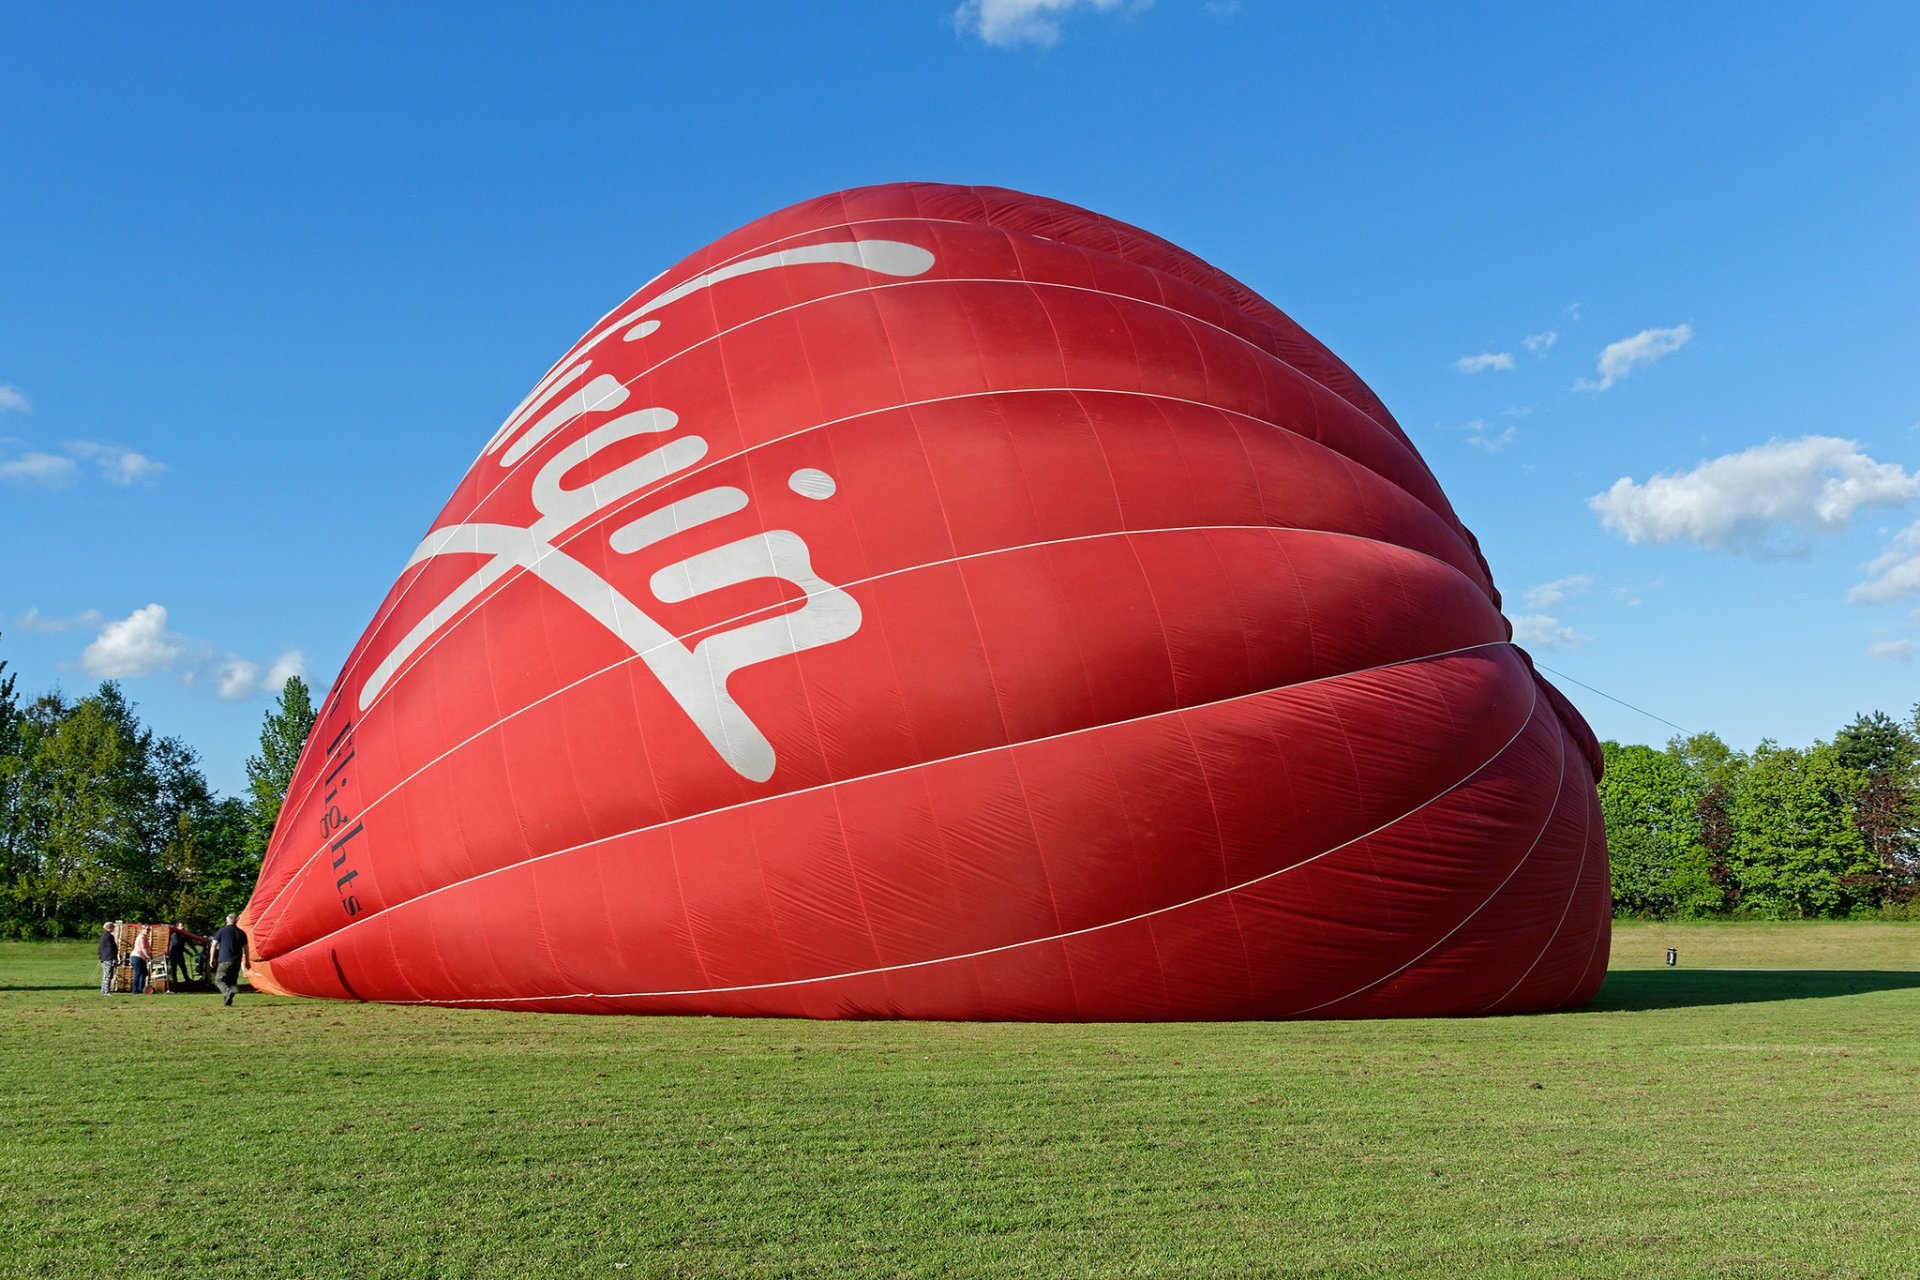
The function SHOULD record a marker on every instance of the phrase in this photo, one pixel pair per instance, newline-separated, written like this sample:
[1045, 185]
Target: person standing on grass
[109, 956]
[142, 953]
[177, 954]
[229, 953]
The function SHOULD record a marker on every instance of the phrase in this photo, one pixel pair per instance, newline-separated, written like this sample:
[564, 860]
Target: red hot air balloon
[943, 602]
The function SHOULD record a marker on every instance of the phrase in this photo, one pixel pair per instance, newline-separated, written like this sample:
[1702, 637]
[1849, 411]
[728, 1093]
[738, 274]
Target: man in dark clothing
[229, 952]
[109, 957]
[177, 941]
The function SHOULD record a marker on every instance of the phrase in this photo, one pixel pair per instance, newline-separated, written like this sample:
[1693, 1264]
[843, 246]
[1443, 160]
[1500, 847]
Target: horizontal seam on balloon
[1400, 445]
[727, 622]
[1011, 946]
[1546, 822]
[964, 755]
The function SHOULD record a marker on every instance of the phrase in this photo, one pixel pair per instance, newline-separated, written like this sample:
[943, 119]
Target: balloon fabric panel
[943, 602]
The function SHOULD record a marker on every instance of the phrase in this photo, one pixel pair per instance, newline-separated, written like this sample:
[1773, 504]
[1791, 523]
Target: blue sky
[269, 277]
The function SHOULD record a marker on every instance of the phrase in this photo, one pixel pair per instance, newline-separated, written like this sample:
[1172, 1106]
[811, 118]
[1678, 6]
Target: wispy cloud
[1482, 436]
[115, 463]
[1620, 359]
[118, 465]
[1484, 361]
[144, 644]
[1543, 631]
[49, 469]
[1894, 650]
[1768, 501]
[1538, 344]
[13, 399]
[1894, 574]
[1549, 594]
[33, 622]
[1013, 22]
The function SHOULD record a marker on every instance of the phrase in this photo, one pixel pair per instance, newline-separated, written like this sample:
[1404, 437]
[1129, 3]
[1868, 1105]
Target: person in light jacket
[142, 953]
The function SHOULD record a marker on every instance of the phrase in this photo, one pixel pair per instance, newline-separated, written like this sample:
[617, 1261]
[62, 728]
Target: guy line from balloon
[695, 678]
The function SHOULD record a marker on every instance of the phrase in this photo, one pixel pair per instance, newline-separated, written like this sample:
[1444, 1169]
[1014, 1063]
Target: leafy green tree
[1651, 826]
[89, 835]
[12, 768]
[9, 710]
[102, 818]
[1796, 850]
[208, 863]
[1886, 811]
[282, 736]
[1703, 885]
[133, 788]
[1876, 741]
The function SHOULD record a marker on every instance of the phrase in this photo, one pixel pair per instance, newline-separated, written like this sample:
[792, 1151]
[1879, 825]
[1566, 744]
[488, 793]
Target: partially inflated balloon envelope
[942, 602]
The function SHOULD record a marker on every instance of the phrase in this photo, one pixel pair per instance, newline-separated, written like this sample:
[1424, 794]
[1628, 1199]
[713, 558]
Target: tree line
[1698, 830]
[101, 818]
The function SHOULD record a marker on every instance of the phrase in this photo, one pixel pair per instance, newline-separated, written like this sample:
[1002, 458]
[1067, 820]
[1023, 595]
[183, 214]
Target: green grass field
[1754, 1112]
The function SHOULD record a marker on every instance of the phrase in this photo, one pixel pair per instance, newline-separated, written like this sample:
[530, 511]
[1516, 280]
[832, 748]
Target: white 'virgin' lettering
[694, 677]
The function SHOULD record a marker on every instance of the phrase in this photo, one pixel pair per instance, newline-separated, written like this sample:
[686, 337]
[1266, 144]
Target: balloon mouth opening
[260, 976]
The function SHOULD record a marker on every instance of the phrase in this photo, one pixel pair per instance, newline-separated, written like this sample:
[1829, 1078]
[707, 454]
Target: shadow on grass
[1637, 989]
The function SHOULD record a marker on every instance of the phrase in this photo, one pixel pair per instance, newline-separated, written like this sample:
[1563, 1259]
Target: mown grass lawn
[1754, 1112]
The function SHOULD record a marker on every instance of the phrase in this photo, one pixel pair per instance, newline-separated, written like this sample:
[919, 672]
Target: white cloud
[33, 623]
[236, 679]
[50, 469]
[137, 645]
[142, 644]
[1894, 650]
[1768, 501]
[13, 399]
[1538, 344]
[1481, 436]
[1894, 574]
[120, 466]
[1484, 361]
[1544, 632]
[117, 465]
[288, 665]
[1619, 359]
[1572, 312]
[1011, 22]
[1549, 594]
